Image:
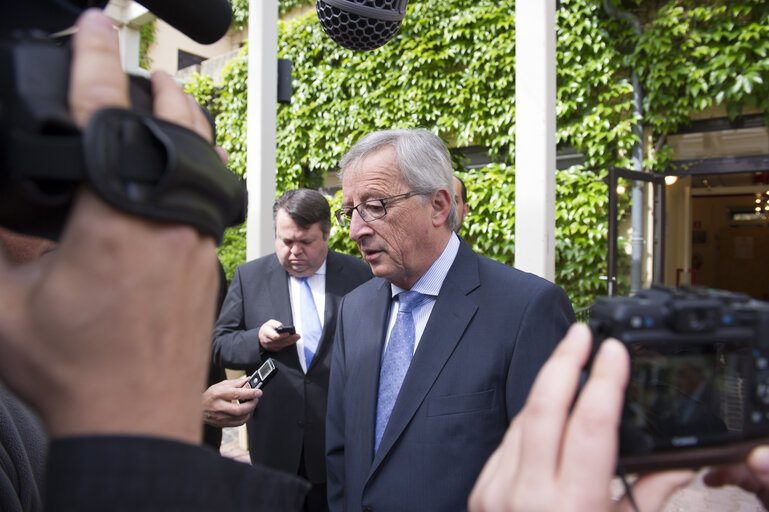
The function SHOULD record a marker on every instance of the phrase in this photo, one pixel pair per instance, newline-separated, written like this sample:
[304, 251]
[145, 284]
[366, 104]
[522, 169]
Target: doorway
[727, 239]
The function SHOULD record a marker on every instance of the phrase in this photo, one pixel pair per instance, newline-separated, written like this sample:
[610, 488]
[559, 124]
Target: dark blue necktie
[311, 328]
[396, 360]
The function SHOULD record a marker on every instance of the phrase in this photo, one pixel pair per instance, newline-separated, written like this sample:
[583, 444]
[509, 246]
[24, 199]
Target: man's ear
[440, 200]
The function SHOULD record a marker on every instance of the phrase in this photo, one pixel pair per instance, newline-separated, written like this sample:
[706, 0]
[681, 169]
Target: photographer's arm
[108, 338]
[120, 315]
[551, 459]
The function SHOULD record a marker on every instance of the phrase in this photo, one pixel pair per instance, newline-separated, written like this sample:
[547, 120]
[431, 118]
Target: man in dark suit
[287, 429]
[460, 198]
[478, 334]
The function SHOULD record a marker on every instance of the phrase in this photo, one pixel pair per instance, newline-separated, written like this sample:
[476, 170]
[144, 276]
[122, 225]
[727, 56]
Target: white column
[261, 125]
[535, 137]
[128, 17]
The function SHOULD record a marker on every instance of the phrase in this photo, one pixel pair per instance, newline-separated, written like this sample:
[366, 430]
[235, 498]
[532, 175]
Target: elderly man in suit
[436, 354]
[300, 284]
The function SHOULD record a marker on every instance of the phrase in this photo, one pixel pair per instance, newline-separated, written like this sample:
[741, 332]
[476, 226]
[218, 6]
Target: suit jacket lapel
[450, 316]
[370, 332]
[278, 290]
[277, 278]
[334, 287]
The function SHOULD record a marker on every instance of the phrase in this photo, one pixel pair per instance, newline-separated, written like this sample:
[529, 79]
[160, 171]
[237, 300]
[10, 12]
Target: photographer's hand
[551, 460]
[110, 334]
[753, 475]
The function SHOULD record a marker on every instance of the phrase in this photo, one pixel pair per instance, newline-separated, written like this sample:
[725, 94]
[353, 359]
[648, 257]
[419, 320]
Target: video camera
[699, 381]
[131, 159]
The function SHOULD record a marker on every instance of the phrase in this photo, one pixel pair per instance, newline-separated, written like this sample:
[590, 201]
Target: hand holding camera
[109, 292]
[559, 454]
[699, 382]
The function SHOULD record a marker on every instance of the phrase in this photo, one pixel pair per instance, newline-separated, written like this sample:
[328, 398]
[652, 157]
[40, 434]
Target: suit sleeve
[235, 346]
[124, 473]
[547, 318]
[335, 420]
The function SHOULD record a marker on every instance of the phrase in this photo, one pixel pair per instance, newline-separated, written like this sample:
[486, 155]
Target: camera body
[132, 160]
[699, 379]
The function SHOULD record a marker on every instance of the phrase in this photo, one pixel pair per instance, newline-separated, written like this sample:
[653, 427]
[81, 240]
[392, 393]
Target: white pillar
[261, 125]
[535, 137]
[128, 17]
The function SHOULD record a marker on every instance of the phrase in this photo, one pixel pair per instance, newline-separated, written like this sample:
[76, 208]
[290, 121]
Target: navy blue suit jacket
[490, 331]
[289, 420]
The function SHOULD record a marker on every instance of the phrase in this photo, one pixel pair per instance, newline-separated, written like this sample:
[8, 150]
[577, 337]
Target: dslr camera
[699, 380]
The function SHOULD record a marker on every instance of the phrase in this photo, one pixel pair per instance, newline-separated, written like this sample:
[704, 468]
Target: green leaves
[451, 69]
[694, 55]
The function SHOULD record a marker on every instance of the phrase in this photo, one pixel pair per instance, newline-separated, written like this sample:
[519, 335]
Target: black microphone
[205, 21]
[361, 25]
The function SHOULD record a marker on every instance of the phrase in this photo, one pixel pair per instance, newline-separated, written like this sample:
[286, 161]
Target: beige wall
[168, 40]
[677, 229]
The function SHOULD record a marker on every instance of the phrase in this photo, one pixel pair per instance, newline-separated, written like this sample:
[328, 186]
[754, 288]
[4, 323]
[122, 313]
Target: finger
[238, 381]
[651, 492]
[242, 408]
[241, 393]
[492, 489]
[758, 462]
[200, 122]
[590, 445]
[97, 79]
[751, 475]
[233, 421]
[547, 409]
[737, 474]
[246, 408]
[170, 103]
[223, 156]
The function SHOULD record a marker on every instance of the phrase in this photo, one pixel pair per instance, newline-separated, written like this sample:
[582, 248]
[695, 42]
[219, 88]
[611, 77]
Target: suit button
[301, 423]
[307, 380]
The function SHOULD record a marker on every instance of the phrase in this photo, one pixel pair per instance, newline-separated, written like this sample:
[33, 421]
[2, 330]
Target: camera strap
[142, 165]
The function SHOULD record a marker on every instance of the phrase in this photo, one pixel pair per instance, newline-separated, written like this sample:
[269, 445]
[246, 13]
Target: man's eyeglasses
[372, 209]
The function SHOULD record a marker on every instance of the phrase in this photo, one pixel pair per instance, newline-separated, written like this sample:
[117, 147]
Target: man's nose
[358, 226]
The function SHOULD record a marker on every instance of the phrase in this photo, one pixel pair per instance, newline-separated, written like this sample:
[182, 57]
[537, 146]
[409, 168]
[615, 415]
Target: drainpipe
[637, 213]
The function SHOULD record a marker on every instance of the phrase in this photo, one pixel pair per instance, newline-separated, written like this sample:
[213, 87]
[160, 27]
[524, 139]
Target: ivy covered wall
[451, 69]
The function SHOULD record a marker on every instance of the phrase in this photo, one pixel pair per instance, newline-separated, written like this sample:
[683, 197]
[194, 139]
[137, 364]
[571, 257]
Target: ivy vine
[146, 40]
[451, 68]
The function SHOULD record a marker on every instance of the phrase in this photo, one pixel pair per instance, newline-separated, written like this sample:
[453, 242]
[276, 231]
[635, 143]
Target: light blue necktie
[397, 358]
[311, 328]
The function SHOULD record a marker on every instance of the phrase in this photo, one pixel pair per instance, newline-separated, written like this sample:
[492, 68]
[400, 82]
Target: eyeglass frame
[345, 220]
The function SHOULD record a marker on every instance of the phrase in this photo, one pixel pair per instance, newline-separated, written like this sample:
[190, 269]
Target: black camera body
[699, 381]
[132, 160]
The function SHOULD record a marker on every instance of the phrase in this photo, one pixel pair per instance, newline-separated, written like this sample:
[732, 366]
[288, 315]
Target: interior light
[669, 180]
[620, 189]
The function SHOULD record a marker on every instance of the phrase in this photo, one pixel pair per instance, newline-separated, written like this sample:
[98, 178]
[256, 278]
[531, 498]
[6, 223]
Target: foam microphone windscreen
[205, 21]
[361, 25]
